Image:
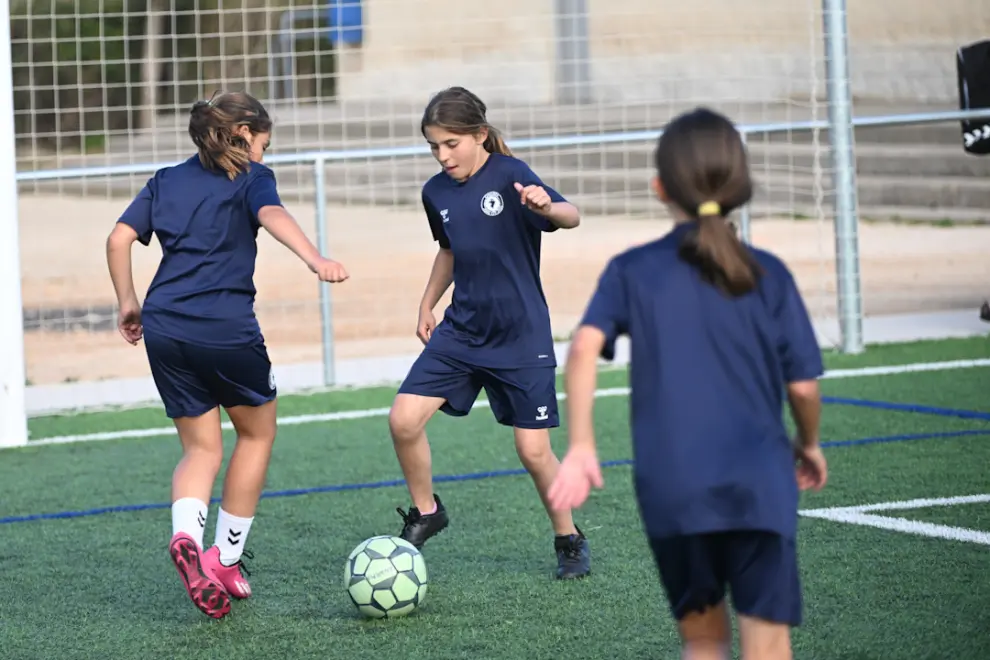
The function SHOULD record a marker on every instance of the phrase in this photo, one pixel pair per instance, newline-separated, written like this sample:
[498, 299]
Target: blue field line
[908, 407]
[447, 478]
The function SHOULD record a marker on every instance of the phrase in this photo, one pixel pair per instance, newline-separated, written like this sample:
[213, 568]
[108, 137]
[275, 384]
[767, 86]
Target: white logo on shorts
[541, 413]
[271, 379]
[492, 203]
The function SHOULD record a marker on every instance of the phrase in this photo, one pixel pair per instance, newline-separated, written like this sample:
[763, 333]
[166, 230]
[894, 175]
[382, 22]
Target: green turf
[969, 516]
[102, 586]
[357, 399]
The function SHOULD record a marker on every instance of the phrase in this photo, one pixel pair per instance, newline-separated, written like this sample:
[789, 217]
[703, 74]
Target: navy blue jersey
[708, 375]
[207, 225]
[498, 316]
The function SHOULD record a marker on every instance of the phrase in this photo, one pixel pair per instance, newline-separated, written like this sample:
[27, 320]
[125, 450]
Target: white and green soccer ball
[385, 576]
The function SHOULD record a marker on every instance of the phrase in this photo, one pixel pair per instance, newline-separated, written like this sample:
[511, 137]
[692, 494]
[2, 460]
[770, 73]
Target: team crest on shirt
[492, 203]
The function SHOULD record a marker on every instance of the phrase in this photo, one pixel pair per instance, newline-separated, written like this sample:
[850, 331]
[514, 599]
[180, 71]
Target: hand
[578, 472]
[812, 471]
[535, 198]
[129, 322]
[425, 326]
[329, 271]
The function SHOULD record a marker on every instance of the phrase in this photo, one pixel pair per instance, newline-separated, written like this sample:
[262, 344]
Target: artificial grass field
[78, 582]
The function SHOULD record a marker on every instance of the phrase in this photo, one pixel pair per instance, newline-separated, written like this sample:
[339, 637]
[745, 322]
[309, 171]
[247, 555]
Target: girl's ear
[481, 135]
[658, 189]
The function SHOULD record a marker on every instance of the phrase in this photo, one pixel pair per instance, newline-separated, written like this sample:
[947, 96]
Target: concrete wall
[653, 50]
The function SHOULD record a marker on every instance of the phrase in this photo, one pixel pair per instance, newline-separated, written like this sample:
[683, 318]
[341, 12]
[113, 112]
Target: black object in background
[973, 69]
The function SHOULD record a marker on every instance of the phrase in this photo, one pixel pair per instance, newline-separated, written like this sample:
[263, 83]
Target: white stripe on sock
[189, 516]
[231, 535]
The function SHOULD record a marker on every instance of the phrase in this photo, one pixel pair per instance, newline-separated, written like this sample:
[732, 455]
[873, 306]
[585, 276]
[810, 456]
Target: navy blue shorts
[760, 570]
[193, 380]
[523, 398]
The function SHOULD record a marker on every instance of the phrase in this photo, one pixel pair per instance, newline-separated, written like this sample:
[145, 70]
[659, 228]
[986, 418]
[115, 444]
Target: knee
[533, 447]
[404, 423]
[209, 457]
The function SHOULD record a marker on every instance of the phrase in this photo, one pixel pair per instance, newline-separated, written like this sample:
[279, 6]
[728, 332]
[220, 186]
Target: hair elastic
[709, 208]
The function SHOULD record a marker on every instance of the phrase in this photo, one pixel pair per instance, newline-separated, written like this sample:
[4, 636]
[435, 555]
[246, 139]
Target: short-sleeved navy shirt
[207, 226]
[498, 316]
[707, 376]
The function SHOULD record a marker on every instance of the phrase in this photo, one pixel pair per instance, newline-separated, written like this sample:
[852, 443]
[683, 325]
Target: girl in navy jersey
[719, 336]
[487, 211]
[202, 338]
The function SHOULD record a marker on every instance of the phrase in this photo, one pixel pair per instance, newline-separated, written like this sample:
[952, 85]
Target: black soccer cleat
[573, 556]
[418, 528]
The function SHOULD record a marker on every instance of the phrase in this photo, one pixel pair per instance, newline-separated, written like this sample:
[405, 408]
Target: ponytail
[213, 128]
[714, 249]
[494, 144]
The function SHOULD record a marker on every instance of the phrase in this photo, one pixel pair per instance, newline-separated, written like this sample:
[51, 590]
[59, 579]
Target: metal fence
[846, 222]
[839, 125]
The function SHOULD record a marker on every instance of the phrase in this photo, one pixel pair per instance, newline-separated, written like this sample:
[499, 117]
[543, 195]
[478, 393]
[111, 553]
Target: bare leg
[764, 640]
[248, 467]
[407, 424]
[706, 635]
[536, 454]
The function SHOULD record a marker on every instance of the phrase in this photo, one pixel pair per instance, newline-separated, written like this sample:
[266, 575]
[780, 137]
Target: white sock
[231, 535]
[189, 516]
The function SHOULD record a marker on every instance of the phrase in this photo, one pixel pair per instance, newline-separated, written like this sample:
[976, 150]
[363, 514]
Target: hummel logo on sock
[233, 537]
[201, 520]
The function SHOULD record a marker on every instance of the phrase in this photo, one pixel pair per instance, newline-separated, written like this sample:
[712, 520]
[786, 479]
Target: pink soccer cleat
[231, 577]
[204, 589]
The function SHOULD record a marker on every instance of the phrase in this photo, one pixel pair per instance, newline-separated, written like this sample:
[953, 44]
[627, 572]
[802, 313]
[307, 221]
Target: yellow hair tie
[709, 208]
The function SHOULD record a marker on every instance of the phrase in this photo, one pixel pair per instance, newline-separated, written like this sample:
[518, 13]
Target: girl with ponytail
[719, 338]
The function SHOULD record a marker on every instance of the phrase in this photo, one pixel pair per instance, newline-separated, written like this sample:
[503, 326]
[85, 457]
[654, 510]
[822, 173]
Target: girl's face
[459, 155]
[259, 142]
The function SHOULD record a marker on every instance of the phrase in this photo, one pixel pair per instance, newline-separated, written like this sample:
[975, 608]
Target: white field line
[856, 515]
[382, 412]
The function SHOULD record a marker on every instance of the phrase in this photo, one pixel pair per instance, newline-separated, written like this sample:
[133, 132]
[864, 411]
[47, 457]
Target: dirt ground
[389, 253]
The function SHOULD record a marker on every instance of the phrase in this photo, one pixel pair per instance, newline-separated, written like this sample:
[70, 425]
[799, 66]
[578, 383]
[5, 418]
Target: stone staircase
[917, 173]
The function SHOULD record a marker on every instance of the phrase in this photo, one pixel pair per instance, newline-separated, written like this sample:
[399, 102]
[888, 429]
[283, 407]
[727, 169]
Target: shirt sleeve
[137, 215]
[262, 191]
[436, 223]
[801, 356]
[524, 175]
[608, 309]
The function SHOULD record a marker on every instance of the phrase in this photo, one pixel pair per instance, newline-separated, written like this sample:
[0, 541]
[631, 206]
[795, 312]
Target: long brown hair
[212, 126]
[461, 112]
[702, 165]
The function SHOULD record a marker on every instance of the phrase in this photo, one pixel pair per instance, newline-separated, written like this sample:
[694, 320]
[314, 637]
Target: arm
[442, 274]
[284, 228]
[580, 379]
[801, 359]
[134, 224]
[119, 262]
[441, 277]
[563, 215]
[805, 401]
[121, 274]
[604, 320]
[544, 202]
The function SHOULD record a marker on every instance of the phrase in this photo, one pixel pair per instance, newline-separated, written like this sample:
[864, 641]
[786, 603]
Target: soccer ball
[385, 576]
